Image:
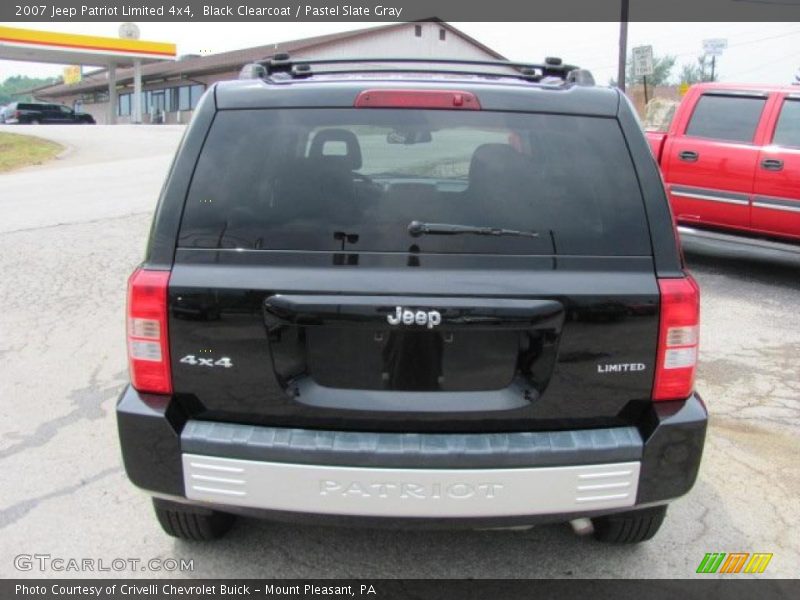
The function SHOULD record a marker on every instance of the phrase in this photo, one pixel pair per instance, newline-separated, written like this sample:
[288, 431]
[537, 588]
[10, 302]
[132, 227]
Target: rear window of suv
[353, 180]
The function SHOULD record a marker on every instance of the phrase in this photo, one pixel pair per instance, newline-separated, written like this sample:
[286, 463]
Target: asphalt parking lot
[72, 231]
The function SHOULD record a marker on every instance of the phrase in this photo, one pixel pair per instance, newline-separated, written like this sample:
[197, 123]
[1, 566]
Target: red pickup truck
[731, 160]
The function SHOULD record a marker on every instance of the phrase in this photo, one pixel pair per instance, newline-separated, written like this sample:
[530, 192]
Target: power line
[734, 45]
[595, 49]
[771, 60]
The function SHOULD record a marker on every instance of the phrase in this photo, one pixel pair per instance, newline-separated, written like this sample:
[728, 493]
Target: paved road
[72, 232]
[100, 175]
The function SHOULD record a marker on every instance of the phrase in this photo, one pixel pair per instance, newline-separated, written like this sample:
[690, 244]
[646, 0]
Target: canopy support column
[136, 117]
[112, 94]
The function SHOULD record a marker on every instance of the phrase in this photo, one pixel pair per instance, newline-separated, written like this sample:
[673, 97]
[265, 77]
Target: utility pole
[623, 44]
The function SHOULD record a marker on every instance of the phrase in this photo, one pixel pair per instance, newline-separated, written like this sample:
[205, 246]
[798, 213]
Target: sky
[757, 52]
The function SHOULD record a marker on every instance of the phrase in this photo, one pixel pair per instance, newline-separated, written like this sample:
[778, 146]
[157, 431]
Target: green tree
[17, 84]
[699, 71]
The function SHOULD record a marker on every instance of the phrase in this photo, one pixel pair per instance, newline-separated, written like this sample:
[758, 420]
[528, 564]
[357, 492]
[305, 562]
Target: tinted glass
[184, 102]
[787, 131]
[729, 118]
[125, 104]
[333, 179]
[196, 92]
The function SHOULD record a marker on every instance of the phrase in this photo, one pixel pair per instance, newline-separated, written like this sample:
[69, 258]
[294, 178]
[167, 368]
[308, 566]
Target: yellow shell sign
[72, 74]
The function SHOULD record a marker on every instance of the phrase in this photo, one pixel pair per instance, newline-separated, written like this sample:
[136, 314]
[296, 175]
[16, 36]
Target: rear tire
[629, 527]
[191, 522]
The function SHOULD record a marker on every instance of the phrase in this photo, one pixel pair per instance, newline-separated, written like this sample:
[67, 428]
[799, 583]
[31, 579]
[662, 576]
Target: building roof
[231, 60]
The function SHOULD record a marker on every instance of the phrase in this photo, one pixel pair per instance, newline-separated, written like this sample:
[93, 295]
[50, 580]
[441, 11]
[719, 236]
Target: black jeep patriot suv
[414, 293]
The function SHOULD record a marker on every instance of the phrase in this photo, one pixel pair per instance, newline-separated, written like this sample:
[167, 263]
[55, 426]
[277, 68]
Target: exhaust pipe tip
[582, 526]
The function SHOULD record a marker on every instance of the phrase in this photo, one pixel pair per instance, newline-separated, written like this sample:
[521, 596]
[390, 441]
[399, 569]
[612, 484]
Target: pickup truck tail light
[678, 338]
[148, 341]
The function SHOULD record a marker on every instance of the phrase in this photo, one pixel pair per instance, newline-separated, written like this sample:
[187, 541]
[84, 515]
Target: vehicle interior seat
[502, 178]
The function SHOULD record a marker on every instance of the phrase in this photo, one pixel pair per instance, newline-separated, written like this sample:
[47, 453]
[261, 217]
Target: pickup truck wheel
[191, 522]
[629, 527]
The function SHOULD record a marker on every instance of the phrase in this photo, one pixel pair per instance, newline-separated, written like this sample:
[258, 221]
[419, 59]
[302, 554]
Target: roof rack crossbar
[493, 74]
[301, 67]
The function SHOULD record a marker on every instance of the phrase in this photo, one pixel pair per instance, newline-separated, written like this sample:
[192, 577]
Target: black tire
[629, 527]
[191, 522]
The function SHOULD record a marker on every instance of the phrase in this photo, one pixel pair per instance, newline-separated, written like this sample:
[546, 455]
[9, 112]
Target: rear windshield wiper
[418, 228]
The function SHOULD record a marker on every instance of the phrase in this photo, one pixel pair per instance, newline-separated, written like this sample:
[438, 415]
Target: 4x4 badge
[406, 316]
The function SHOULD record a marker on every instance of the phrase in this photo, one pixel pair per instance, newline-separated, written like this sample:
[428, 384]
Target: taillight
[444, 99]
[16, 114]
[148, 343]
[678, 336]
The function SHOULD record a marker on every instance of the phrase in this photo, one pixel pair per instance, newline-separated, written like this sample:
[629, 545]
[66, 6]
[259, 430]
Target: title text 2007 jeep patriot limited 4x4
[417, 294]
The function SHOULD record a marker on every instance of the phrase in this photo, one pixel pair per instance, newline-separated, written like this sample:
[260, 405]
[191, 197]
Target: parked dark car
[35, 113]
[415, 293]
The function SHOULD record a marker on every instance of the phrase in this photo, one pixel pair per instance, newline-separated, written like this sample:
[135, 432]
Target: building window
[196, 92]
[184, 98]
[442, 34]
[124, 105]
[95, 98]
[173, 99]
[418, 30]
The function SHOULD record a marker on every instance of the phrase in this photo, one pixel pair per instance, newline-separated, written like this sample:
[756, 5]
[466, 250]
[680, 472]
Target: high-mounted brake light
[148, 343]
[678, 338]
[441, 99]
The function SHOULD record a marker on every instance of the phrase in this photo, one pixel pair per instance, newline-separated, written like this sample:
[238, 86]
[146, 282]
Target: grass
[17, 151]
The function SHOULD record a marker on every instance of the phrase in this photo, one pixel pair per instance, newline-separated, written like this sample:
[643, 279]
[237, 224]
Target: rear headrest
[351, 160]
[490, 161]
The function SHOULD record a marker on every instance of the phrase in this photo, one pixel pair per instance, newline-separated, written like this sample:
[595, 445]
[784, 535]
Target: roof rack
[551, 71]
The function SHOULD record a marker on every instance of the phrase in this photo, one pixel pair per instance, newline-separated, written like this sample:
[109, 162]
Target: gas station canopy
[78, 49]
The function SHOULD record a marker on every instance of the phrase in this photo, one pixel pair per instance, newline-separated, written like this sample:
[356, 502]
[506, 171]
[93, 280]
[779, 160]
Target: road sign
[684, 87]
[642, 61]
[714, 47]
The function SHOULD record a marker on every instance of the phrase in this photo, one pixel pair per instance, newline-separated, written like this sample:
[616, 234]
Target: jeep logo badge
[407, 316]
